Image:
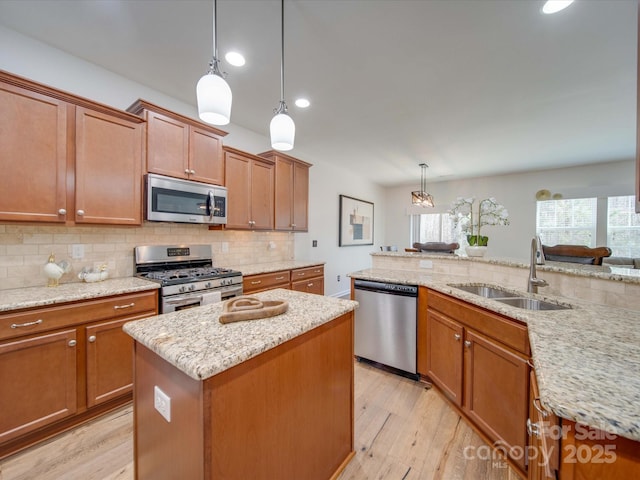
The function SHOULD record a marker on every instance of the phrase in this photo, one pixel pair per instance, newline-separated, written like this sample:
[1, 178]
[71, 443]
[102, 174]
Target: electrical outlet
[162, 403]
[338, 277]
[77, 251]
[314, 243]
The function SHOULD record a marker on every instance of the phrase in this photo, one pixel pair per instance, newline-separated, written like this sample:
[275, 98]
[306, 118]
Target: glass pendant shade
[283, 132]
[214, 99]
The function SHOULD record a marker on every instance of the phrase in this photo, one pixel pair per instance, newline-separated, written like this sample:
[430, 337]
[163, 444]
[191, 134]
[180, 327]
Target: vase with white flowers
[471, 221]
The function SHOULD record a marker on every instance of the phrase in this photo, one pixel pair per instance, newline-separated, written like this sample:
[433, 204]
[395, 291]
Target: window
[575, 222]
[623, 227]
[434, 227]
[571, 222]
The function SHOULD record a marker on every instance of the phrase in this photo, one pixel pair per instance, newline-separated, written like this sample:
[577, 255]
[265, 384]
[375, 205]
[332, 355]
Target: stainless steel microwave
[184, 201]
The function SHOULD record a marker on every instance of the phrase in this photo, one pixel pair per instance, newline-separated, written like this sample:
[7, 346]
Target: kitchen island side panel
[287, 413]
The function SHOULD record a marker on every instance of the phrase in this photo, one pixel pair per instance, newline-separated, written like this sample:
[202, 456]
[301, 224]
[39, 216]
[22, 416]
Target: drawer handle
[92, 338]
[256, 282]
[28, 324]
[310, 284]
[118, 307]
[532, 428]
[279, 278]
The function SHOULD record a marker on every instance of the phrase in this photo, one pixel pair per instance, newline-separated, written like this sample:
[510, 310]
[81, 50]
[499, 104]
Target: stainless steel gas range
[186, 275]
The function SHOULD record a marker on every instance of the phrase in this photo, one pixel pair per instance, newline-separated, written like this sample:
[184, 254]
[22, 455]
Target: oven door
[173, 303]
[184, 201]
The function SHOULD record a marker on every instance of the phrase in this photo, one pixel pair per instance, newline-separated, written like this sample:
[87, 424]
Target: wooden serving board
[243, 308]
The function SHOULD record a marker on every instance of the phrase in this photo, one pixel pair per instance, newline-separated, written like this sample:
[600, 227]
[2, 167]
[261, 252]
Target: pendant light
[422, 198]
[213, 92]
[282, 128]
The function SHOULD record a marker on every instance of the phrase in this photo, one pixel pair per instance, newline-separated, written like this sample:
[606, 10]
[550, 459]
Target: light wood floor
[403, 431]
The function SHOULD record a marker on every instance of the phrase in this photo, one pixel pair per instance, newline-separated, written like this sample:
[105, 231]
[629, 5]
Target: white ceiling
[470, 87]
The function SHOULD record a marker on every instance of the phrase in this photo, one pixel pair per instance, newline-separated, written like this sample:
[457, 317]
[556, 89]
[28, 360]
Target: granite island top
[195, 342]
[587, 358]
[268, 267]
[30, 297]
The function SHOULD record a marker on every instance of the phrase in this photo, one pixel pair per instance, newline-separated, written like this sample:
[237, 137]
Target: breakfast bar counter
[261, 399]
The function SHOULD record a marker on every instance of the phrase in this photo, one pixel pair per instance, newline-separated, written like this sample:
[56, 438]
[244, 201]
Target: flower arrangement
[489, 212]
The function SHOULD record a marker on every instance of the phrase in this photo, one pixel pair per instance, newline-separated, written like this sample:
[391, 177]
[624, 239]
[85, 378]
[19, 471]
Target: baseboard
[345, 294]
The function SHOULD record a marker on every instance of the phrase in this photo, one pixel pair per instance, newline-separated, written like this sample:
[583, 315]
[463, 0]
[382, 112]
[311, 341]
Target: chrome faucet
[534, 283]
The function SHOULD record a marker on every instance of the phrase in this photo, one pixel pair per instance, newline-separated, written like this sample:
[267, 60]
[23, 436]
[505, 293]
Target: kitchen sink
[485, 291]
[531, 303]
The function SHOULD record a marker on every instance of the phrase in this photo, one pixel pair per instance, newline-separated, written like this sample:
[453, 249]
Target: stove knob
[182, 289]
[208, 285]
[192, 288]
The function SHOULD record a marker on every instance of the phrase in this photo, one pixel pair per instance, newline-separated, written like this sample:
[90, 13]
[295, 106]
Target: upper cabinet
[291, 191]
[250, 183]
[181, 147]
[66, 159]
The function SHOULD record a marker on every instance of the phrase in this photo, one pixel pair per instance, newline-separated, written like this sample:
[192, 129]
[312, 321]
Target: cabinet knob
[457, 337]
[187, 171]
[532, 428]
[92, 338]
[72, 343]
[80, 213]
[293, 225]
[62, 211]
[467, 343]
[192, 172]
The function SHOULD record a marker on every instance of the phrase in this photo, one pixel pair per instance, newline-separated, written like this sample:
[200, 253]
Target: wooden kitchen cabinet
[178, 146]
[250, 184]
[479, 360]
[309, 279]
[265, 281]
[65, 159]
[66, 364]
[291, 191]
[544, 445]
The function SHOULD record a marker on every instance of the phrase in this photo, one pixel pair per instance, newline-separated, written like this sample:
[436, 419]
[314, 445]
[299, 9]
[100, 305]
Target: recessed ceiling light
[553, 6]
[234, 58]
[302, 103]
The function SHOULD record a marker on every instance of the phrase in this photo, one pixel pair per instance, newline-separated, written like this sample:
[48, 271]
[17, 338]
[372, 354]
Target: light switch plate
[77, 251]
[162, 403]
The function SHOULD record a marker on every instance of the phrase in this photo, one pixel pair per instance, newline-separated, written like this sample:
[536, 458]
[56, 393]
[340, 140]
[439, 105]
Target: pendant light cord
[282, 51]
[215, 31]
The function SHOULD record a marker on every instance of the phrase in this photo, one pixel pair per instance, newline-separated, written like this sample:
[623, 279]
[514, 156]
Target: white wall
[517, 193]
[40, 62]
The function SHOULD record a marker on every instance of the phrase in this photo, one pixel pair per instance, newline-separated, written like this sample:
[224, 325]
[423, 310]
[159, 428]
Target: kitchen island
[260, 399]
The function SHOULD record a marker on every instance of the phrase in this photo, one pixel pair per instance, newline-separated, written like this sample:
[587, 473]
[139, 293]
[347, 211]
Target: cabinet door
[238, 178]
[33, 156]
[108, 169]
[496, 392]
[300, 197]
[444, 354]
[544, 444]
[262, 184]
[167, 146]
[283, 194]
[206, 161]
[38, 378]
[109, 361]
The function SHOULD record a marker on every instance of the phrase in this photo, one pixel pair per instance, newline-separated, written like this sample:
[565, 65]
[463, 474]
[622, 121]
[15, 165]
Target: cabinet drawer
[48, 318]
[312, 285]
[508, 331]
[308, 272]
[265, 281]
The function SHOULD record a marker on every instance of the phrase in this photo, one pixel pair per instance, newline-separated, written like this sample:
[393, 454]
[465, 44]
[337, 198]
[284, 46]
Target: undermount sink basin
[485, 291]
[531, 303]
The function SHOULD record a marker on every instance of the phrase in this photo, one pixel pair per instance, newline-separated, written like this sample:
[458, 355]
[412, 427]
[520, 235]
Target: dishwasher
[386, 324]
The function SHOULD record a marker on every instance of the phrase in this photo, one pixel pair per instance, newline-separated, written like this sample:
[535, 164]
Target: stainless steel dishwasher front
[386, 323]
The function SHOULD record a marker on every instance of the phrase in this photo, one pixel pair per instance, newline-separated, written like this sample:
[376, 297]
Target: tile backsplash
[24, 249]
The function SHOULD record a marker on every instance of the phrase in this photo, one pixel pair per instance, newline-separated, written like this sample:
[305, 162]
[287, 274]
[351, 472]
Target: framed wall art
[356, 222]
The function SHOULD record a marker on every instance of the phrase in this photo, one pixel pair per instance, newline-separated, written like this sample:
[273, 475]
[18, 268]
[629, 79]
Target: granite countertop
[587, 358]
[19, 298]
[195, 342]
[606, 272]
[268, 267]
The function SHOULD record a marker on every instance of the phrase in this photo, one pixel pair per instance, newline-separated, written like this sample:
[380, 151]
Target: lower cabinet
[61, 365]
[471, 357]
[307, 279]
